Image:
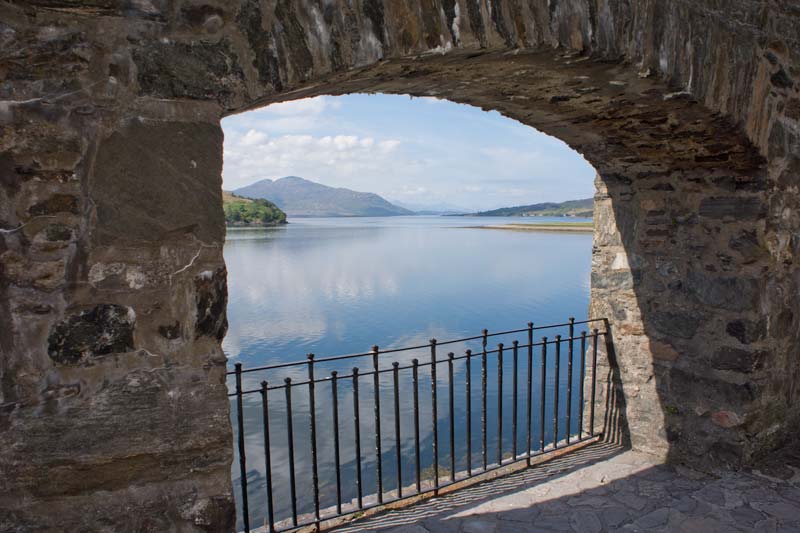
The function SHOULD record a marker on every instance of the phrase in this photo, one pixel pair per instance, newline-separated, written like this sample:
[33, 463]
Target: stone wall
[113, 411]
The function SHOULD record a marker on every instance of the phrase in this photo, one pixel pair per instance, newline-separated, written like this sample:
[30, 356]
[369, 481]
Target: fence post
[377, 409]
[500, 404]
[469, 412]
[290, 440]
[530, 388]
[336, 451]
[357, 424]
[267, 455]
[242, 452]
[569, 377]
[312, 406]
[450, 357]
[483, 398]
[556, 389]
[397, 443]
[435, 419]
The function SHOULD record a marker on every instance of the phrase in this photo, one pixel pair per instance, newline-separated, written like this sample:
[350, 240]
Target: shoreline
[575, 227]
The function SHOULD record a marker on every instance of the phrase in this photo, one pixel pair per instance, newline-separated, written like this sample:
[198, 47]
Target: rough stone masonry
[113, 407]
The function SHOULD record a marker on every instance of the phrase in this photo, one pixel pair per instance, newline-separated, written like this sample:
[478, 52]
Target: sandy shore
[573, 227]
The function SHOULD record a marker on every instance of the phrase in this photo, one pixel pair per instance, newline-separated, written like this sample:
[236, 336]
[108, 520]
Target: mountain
[303, 198]
[248, 212]
[571, 208]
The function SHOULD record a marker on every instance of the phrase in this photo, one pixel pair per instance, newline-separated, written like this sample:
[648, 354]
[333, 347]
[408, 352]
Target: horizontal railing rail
[559, 399]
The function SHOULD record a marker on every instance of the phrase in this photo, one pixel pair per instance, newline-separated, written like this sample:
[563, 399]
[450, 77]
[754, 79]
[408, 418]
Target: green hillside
[240, 211]
[571, 208]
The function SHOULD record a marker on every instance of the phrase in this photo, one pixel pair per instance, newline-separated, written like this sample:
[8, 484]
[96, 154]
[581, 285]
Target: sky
[419, 152]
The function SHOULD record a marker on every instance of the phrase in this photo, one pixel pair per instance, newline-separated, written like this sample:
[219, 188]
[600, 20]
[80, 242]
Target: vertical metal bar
[396, 376]
[242, 452]
[483, 398]
[556, 391]
[530, 389]
[500, 404]
[312, 410]
[543, 393]
[267, 455]
[415, 379]
[569, 384]
[569, 377]
[469, 412]
[594, 381]
[336, 451]
[583, 376]
[357, 424]
[435, 419]
[514, 406]
[450, 357]
[377, 410]
[290, 441]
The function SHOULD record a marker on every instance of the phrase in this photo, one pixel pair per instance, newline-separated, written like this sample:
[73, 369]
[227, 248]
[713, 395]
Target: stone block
[730, 293]
[681, 324]
[737, 360]
[733, 207]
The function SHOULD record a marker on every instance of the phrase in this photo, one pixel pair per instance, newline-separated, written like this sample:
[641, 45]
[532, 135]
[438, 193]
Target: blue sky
[421, 152]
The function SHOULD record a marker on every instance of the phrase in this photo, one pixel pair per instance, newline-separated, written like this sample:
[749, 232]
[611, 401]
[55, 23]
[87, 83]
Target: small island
[248, 212]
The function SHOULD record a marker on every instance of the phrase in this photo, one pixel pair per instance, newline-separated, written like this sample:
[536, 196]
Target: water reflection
[334, 286]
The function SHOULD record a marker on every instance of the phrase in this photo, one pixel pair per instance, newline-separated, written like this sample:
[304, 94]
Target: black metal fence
[280, 423]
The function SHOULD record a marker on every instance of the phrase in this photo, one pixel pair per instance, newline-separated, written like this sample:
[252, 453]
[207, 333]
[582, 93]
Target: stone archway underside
[113, 408]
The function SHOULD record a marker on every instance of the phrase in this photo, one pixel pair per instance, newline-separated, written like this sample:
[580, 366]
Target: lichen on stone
[101, 330]
[212, 299]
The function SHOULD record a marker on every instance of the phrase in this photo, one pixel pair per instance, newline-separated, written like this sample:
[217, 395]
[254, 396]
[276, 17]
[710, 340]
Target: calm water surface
[337, 286]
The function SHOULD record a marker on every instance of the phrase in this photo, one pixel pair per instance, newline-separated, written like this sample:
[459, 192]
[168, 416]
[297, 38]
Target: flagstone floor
[606, 488]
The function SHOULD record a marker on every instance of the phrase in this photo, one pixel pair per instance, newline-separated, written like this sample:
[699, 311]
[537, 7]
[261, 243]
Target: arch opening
[332, 285]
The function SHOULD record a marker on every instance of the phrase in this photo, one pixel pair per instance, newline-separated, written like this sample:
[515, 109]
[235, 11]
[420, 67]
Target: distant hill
[248, 212]
[438, 208]
[303, 198]
[571, 208]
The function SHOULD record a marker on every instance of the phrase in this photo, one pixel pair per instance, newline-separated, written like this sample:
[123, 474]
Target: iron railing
[407, 480]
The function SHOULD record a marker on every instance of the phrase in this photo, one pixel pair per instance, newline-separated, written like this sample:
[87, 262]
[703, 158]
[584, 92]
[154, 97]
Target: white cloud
[431, 100]
[304, 106]
[255, 156]
[389, 145]
[253, 137]
[294, 115]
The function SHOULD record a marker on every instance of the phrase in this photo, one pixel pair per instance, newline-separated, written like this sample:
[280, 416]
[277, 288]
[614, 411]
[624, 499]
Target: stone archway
[112, 294]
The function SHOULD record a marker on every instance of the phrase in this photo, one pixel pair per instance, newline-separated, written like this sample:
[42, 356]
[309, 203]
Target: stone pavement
[606, 488]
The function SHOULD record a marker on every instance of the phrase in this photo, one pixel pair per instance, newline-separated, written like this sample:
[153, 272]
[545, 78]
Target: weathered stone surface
[139, 198]
[196, 70]
[102, 330]
[732, 293]
[212, 299]
[679, 324]
[170, 331]
[737, 359]
[732, 207]
[58, 203]
[746, 331]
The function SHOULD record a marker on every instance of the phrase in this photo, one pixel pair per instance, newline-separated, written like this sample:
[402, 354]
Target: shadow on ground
[606, 487]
